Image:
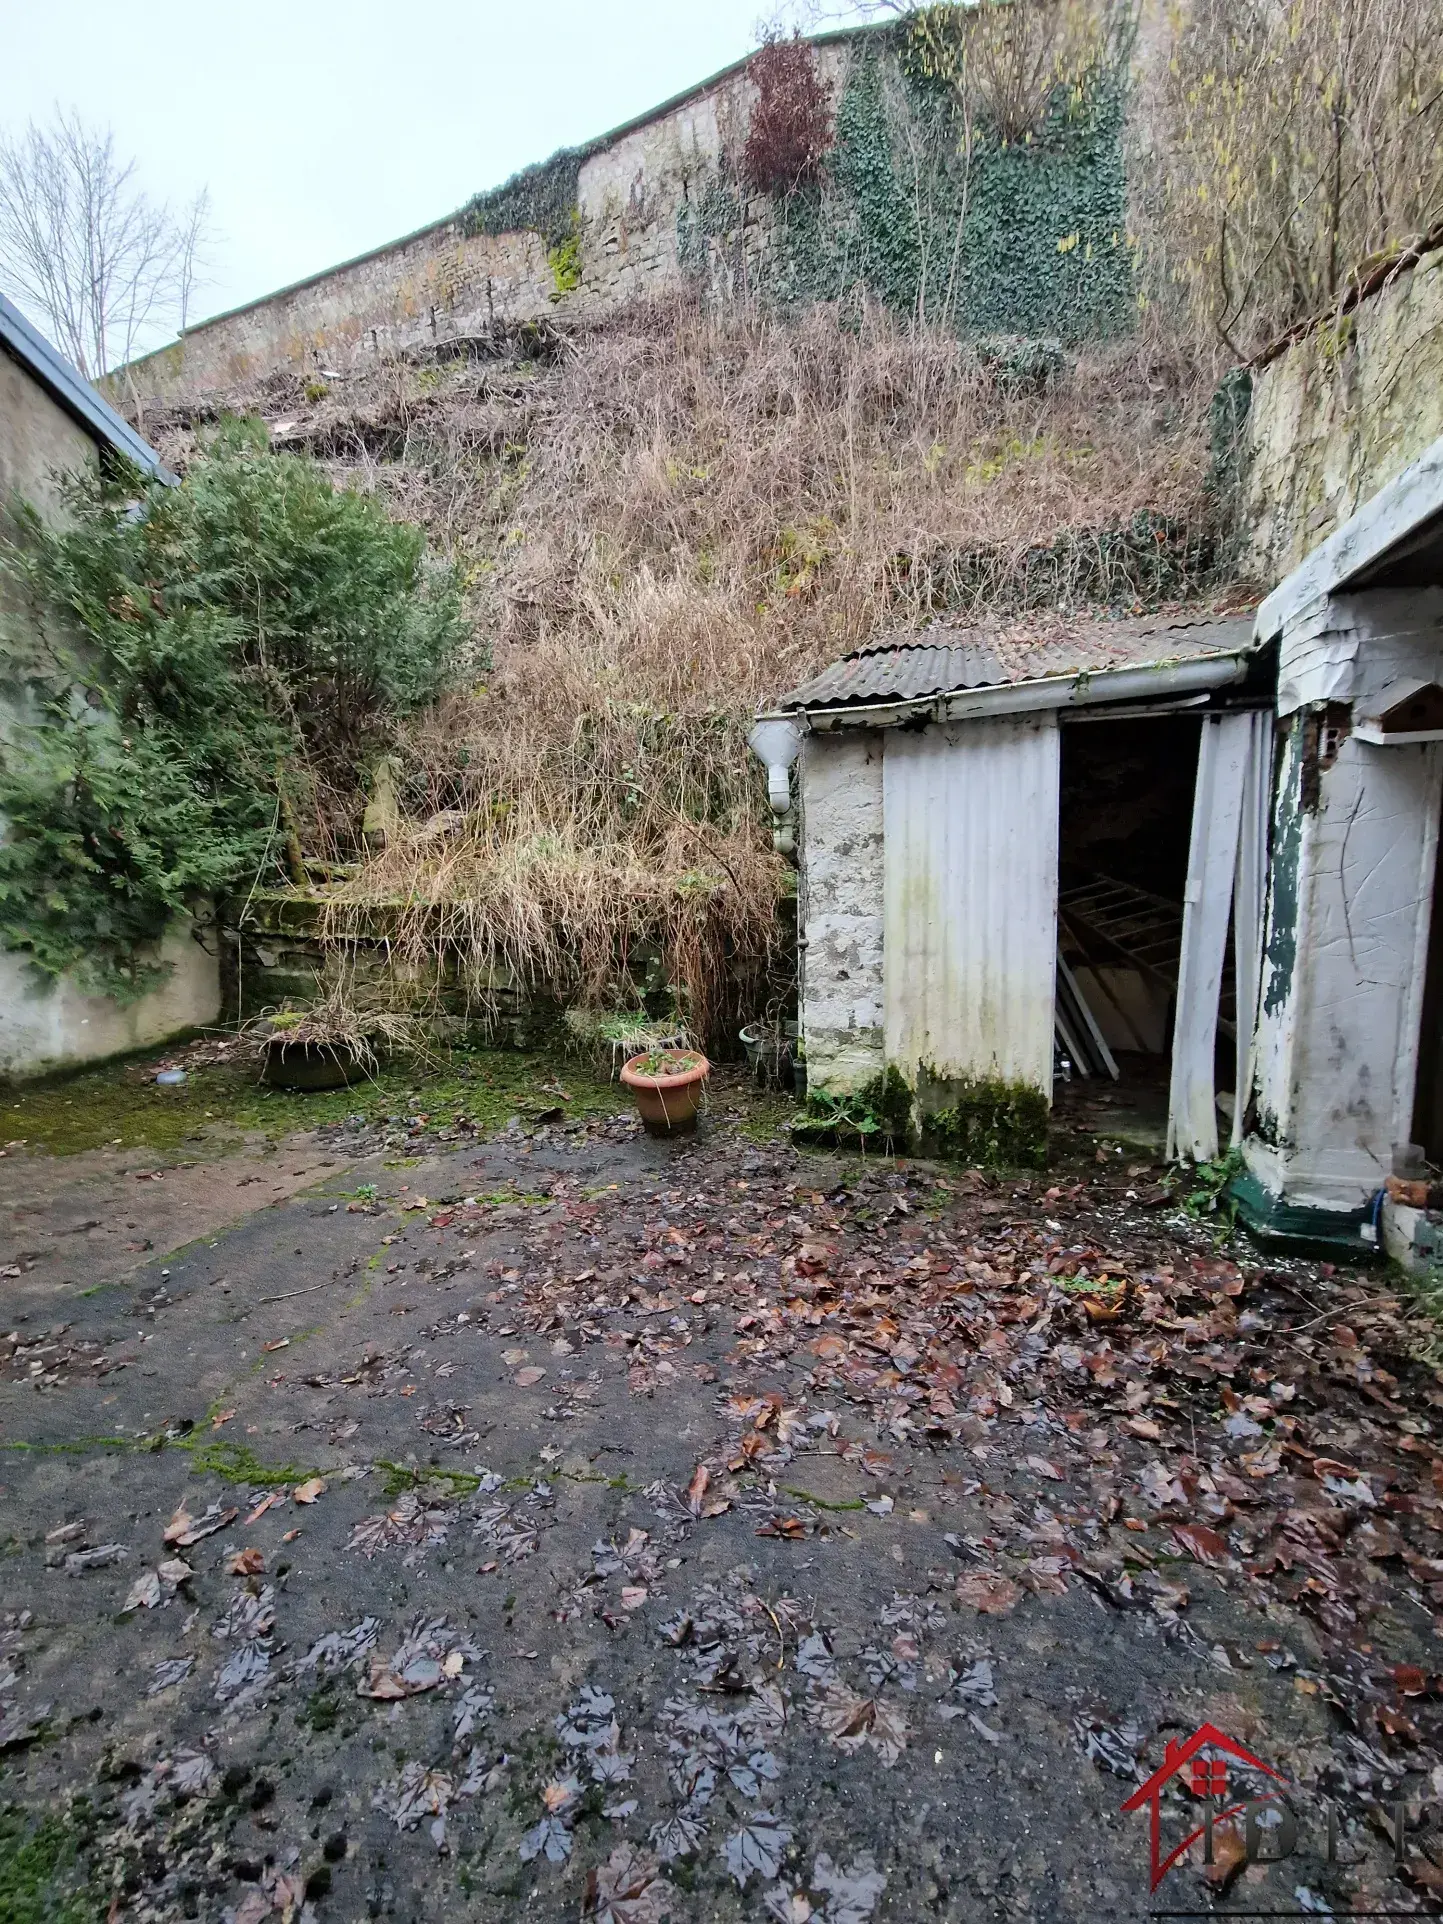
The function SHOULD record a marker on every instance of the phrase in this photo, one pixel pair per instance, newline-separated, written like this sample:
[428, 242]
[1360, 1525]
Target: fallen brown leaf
[989, 1592]
[790, 1527]
[1202, 1543]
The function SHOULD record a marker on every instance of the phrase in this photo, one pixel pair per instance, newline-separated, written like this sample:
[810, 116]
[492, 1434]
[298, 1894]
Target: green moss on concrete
[983, 1121]
[120, 1104]
[43, 1877]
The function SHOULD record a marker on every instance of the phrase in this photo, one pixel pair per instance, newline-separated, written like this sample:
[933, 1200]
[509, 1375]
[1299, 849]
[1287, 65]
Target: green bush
[184, 664]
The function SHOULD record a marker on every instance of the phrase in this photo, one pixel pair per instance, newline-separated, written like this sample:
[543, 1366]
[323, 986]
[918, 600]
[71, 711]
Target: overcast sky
[323, 128]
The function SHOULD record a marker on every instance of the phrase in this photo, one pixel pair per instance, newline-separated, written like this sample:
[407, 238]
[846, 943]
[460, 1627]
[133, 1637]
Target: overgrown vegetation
[195, 670]
[955, 189]
[671, 520]
[1302, 141]
[950, 400]
[790, 129]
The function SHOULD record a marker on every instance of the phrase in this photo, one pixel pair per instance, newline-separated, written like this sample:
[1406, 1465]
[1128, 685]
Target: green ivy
[1149, 559]
[541, 199]
[179, 663]
[1230, 453]
[713, 214]
[1028, 239]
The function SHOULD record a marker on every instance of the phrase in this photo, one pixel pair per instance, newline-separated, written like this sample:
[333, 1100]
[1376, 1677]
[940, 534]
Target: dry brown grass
[667, 525]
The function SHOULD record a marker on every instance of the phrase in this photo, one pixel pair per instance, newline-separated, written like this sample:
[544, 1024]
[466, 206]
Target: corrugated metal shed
[948, 659]
[71, 391]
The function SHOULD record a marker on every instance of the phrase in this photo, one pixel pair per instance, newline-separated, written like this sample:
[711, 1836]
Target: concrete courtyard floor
[563, 1524]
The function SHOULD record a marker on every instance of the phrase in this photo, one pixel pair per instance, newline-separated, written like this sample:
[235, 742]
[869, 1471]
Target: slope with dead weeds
[666, 521]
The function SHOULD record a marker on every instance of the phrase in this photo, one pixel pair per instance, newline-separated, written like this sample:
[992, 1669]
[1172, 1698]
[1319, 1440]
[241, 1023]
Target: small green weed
[1209, 1195]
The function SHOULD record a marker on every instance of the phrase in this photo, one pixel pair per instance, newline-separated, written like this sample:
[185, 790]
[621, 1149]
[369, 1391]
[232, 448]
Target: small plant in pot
[609, 1038]
[667, 1085]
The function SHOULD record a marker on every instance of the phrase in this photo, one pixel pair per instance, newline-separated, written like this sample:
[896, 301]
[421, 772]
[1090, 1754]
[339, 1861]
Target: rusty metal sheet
[899, 674]
[947, 658]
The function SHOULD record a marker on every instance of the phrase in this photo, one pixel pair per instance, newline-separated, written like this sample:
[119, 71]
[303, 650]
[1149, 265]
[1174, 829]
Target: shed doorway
[1126, 813]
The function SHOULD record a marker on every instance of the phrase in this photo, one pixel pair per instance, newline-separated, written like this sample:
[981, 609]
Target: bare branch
[102, 267]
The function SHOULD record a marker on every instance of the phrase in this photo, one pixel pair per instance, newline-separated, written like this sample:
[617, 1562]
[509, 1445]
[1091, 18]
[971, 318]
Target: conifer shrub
[185, 668]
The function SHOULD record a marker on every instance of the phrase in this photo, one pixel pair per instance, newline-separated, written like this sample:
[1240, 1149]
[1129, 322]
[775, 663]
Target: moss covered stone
[980, 1121]
[983, 1121]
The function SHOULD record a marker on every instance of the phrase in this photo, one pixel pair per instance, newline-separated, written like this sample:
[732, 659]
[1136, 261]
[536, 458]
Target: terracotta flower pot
[668, 1089]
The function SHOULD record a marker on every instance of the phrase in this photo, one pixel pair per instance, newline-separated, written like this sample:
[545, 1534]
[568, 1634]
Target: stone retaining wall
[1340, 412]
[441, 284]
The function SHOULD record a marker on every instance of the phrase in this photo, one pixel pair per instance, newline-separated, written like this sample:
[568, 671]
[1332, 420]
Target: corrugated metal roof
[71, 391]
[946, 658]
[891, 673]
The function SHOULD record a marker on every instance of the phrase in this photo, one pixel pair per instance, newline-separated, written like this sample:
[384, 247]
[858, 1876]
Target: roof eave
[1084, 688]
[69, 389]
[1364, 541]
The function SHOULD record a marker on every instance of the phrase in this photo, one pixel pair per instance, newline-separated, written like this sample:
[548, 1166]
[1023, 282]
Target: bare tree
[84, 248]
[1303, 145]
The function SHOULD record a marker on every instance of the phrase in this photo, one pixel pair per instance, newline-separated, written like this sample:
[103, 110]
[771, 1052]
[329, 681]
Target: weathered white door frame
[1226, 868]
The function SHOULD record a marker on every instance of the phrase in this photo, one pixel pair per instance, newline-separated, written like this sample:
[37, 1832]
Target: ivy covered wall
[1023, 237]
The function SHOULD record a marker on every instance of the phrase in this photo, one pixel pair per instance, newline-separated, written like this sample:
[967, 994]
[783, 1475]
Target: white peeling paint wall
[1350, 908]
[842, 925]
[57, 1026]
[971, 899]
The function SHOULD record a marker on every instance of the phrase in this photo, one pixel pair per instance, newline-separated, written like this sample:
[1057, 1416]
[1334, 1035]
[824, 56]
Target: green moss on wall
[982, 1120]
[564, 260]
[976, 1120]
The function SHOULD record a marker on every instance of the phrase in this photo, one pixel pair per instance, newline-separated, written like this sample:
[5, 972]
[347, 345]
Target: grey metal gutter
[70, 390]
[1202, 674]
